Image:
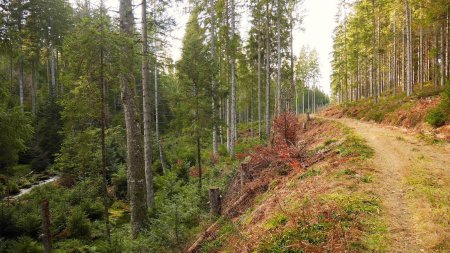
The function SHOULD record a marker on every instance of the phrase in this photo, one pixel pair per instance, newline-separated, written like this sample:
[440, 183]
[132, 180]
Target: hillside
[347, 195]
[427, 113]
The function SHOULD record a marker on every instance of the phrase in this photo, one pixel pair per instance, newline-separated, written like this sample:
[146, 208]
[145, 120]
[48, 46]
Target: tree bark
[267, 56]
[213, 81]
[147, 110]
[135, 156]
[259, 80]
[408, 49]
[233, 83]
[46, 236]
[279, 109]
[214, 201]
[103, 135]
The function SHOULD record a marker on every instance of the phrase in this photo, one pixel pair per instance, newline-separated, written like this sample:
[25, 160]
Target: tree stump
[214, 201]
[304, 125]
[46, 236]
[308, 118]
[243, 171]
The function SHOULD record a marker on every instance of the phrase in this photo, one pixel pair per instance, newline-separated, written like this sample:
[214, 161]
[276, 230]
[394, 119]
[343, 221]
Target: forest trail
[397, 158]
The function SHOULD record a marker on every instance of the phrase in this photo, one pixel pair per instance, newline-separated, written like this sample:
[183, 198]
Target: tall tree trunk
[259, 79]
[442, 55]
[279, 106]
[34, 65]
[147, 110]
[157, 133]
[291, 42]
[374, 51]
[267, 56]
[233, 83]
[408, 53]
[213, 81]
[379, 63]
[53, 69]
[21, 80]
[103, 135]
[135, 156]
[155, 52]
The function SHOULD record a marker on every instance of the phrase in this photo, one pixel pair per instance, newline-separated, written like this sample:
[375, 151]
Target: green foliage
[78, 224]
[439, 115]
[278, 220]
[25, 244]
[47, 138]
[15, 131]
[355, 146]
[310, 173]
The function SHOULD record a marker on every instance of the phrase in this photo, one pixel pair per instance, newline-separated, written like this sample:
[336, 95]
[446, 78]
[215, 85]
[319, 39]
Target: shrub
[78, 224]
[435, 117]
[25, 245]
[29, 223]
[440, 114]
[93, 209]
[119, 180]
[8, 226]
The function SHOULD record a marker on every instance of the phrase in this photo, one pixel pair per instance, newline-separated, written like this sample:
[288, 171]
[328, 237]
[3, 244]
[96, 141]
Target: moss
[278, 220]
[310, 173]
[355, 146]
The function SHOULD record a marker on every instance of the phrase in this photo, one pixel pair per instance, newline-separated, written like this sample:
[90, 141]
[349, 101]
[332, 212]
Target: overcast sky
[318, 26]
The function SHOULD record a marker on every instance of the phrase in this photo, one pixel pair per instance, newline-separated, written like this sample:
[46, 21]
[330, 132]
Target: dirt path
[396, 154]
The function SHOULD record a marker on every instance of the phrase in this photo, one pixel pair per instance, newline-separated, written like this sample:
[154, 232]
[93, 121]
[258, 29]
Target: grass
[278, 220]
[310, 173]
[429, 196]
[354, 145]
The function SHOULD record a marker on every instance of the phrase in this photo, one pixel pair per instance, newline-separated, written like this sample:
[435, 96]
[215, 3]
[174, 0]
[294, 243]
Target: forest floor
[413, 185]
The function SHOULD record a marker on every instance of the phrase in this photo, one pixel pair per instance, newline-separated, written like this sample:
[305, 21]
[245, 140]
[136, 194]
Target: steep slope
[406, 113]
[324, 203]
[359, 187]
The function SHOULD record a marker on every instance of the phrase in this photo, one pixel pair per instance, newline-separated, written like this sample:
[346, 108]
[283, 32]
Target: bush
[29, 223]
[441, 114]
[25, 245]
[119, 180]
[8, 226]
[93, 209]
[78, 224]
[435, 117]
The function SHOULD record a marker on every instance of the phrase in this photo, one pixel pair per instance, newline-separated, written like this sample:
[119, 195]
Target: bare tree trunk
[147, 110]
[157, 133]
[34, 64]
[103, 135]
[213, 81]
[379, 79]
[228, 119]
[53, 69]
[279, 106]
[233, 84]
[408, 53]
[420, 65]
[267, 72]
[135, 156]
[21, 80]
[441, 53]
[47, 236]
[214, 201]
[291, 42]
[259, 80]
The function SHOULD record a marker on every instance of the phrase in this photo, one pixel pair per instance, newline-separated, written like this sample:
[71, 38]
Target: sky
[316, 32]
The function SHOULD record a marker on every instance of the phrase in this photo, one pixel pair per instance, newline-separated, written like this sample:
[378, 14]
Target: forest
[110, 144]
